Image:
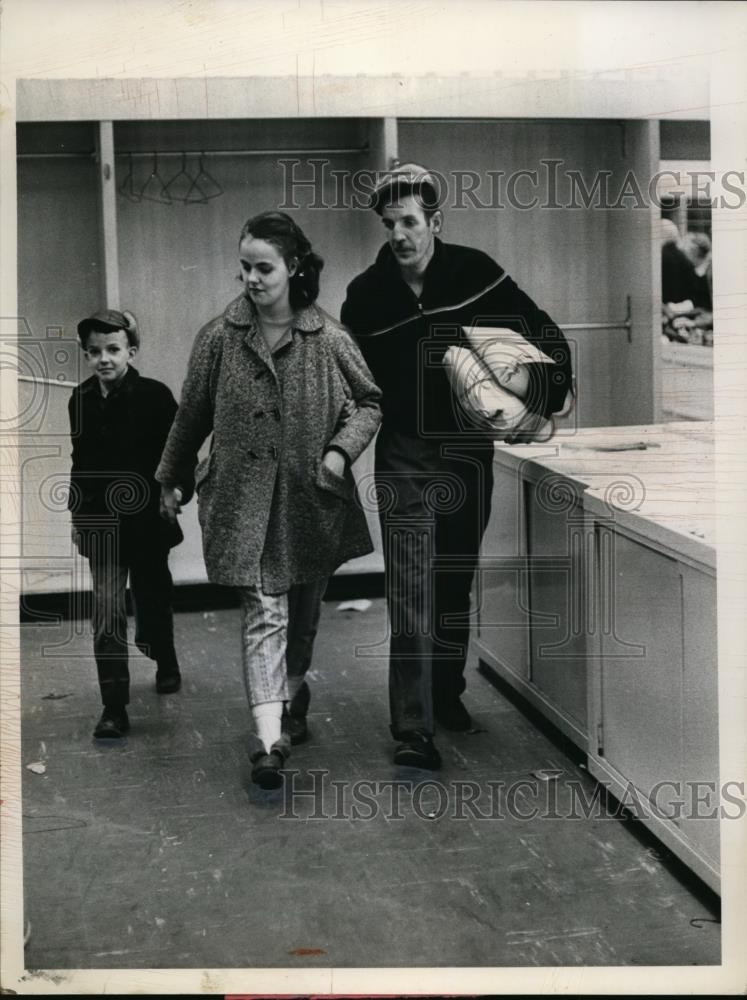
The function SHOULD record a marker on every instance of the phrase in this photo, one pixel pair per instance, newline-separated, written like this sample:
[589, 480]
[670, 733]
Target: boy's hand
[170, 503]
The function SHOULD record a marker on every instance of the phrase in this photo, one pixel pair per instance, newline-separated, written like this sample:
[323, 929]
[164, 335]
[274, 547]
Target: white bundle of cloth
[481, 377]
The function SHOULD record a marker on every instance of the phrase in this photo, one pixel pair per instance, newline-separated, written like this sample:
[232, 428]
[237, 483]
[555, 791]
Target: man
[679, 281]
[434, 475]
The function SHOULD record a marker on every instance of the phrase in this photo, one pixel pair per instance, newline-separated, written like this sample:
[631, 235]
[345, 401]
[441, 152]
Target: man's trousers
[434, 505]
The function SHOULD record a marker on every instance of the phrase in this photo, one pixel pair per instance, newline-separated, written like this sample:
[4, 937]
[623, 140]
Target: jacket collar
[241, 313]
[130, 377]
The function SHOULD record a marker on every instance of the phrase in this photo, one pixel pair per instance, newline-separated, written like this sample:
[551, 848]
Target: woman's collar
[242, 313]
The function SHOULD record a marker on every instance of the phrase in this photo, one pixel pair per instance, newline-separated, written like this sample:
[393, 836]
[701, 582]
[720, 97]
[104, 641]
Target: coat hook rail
[83, 154]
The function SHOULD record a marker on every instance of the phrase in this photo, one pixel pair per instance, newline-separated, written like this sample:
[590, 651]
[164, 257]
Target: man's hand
[515, 379]
[335, 462]
[170, 503]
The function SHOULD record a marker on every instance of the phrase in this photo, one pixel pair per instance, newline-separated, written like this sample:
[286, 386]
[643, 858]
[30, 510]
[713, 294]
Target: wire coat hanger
[127, 187]
[181, 182]
[198, 184]
[154, 188]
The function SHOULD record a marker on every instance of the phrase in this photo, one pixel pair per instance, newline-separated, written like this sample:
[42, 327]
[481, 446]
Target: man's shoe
[266, 771]
[112, 725]
[452, 715]
[295, 727]
[167, 682]
[417, 750]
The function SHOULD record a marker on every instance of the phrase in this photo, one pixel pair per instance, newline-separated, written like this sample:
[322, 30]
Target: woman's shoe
[266, 771]
[294, 715]
[294, 727]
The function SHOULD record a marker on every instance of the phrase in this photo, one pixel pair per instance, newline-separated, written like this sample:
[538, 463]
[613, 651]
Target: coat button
[276, 413]
[274, 452]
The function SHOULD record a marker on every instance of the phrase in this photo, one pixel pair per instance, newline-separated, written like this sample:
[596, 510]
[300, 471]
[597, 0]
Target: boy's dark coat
[117, 443]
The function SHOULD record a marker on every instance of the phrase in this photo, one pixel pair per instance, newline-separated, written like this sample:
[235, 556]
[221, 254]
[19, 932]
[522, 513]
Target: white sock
[294, 686]
[267, 720]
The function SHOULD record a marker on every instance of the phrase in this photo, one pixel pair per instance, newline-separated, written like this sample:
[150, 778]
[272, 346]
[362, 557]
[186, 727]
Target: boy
[119, 422]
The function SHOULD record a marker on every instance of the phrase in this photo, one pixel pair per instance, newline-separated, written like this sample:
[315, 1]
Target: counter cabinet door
[501, 587]
[557, 595]
[700, 756]
[655, 716]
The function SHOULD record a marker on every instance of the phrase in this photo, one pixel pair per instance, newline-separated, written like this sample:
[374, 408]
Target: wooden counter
[597, 602]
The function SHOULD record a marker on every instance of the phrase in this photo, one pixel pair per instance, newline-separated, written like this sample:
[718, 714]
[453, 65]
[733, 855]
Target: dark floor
[159, 853]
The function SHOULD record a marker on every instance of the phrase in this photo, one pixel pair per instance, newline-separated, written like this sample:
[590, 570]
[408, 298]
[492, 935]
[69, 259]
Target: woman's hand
[170, 503]
[335, 462]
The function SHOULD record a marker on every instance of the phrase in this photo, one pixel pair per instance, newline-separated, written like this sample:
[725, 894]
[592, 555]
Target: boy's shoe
[167, 682]
[451, 714]
[168, 678]
[112, 725]
[417, 750]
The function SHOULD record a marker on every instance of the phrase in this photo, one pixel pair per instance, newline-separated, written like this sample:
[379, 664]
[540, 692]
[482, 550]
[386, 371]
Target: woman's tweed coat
[266, 502]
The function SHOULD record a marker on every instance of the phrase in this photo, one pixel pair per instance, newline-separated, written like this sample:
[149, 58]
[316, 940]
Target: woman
[290, 404]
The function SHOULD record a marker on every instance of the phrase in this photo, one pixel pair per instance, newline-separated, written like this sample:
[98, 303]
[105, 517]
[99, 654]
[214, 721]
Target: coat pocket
[202, 471]
[203, 477]
[342, 487]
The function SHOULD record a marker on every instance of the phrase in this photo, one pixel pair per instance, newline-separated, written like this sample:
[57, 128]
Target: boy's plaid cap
[107, 320]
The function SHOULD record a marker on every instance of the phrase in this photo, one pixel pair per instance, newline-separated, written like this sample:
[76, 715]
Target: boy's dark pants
[434, 506]
[151, 588]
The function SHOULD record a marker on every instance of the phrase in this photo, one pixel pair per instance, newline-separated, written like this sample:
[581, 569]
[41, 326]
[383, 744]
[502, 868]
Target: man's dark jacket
[680, 280]
[403, 338]
[117, 443]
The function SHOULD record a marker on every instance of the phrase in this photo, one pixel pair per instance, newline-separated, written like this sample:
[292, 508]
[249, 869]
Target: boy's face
[107, 355]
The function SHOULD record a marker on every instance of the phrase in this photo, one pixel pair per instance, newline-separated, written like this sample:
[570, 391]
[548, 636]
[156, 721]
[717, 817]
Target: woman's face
[265, 274]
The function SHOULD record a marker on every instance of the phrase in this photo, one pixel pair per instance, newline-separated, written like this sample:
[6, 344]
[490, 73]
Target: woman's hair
[291, 243]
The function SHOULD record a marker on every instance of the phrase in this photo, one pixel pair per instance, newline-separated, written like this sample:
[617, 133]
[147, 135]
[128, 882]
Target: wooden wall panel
[567, 258]
[59, 268]
[634, 259]
[178, 262]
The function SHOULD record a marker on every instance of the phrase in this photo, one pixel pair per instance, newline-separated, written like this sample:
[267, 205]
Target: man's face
[409, 232]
